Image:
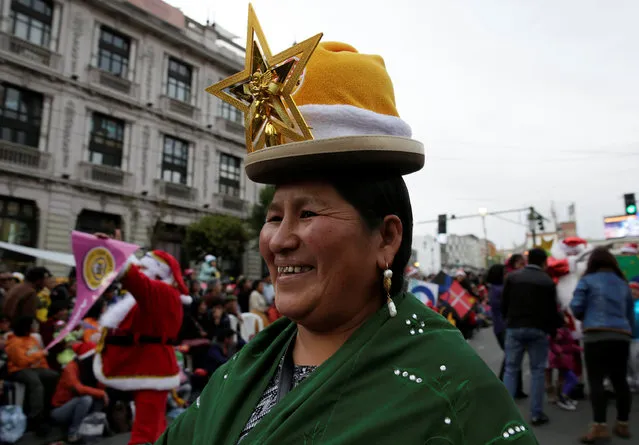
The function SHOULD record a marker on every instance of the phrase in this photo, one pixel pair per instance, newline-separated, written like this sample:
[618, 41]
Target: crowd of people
[527, 317]
[60, 385]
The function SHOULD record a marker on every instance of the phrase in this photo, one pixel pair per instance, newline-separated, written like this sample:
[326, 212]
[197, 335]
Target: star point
[263, 89]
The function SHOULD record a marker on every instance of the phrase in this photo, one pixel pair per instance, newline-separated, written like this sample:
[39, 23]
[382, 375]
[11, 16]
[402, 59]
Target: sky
[518, 103]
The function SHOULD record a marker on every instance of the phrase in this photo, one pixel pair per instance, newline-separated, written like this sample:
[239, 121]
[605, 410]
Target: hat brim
[353, 155]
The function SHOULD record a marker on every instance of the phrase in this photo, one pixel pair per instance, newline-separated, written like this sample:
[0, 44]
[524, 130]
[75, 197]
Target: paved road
[563, 429]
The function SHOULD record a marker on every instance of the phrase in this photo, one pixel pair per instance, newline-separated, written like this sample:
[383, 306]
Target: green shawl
[411, 379]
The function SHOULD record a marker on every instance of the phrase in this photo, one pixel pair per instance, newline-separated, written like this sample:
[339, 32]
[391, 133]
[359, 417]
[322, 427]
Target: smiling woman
[355, 360]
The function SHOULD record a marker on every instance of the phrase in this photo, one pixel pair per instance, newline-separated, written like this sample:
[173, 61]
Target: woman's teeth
[293, 269]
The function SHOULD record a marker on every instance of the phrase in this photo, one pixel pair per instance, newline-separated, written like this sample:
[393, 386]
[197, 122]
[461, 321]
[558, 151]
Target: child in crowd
[562, 358]
[74, 399]
[27, 364]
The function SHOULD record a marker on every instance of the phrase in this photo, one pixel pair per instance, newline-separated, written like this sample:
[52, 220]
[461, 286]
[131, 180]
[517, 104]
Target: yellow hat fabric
[337, 74]
[348, 101]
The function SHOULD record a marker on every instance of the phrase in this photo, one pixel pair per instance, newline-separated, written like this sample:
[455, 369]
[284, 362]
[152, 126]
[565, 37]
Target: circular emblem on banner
[98, 264]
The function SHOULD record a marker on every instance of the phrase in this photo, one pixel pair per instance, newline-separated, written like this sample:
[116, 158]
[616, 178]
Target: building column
[5, 16]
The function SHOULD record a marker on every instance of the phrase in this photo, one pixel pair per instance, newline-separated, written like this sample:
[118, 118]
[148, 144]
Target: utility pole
[531, 224]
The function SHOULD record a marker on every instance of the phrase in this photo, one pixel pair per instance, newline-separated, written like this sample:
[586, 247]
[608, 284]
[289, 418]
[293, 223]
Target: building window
[230, 113]
[107, 140]
[32, 20]
[180, 78]
[90, 221]
[18, 225]
[230, 175]
[20, 115]
[113, 52]
[175, 160]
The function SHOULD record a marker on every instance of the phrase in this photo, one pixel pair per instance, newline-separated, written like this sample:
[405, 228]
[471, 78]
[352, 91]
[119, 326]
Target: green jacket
[411, 379]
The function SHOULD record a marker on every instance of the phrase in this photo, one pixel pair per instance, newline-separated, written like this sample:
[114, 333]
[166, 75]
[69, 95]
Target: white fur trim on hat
[331, 121]
[186, 299]
[87, 354]
[629, 250]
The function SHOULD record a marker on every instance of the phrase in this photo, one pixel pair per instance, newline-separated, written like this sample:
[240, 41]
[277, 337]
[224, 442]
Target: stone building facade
[105, 123]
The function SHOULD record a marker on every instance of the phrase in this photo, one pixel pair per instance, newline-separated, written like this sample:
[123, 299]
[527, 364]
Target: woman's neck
[312, 348]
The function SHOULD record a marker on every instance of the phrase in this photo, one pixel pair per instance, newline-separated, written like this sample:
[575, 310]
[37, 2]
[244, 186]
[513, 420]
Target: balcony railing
[23, 156]
[29, 51]
[117, 83]
[178, 107]
[177, 191]
[229, 126]
[103, 174]
[230, 203]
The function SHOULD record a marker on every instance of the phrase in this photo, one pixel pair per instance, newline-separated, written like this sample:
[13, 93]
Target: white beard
[115, 314]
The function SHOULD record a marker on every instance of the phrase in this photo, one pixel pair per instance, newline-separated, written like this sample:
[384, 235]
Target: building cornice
[165, 31]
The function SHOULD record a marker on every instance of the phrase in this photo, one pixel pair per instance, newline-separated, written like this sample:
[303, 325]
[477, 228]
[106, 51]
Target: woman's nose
[284, 237]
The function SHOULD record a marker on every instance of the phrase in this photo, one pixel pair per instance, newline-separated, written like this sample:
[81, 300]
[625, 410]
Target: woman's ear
[391, 232]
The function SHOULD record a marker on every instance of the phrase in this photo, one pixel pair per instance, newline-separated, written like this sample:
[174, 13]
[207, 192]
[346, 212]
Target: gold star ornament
[263, 90]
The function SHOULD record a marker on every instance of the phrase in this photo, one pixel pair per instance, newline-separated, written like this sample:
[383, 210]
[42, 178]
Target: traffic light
[631, 203]
[540, 222]
[441, 224]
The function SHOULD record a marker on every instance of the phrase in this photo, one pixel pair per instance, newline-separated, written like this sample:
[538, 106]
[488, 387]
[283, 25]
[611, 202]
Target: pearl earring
[388, 275]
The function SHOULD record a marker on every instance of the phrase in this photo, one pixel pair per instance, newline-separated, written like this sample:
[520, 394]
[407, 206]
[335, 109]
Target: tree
[258, 212]
[221, 235]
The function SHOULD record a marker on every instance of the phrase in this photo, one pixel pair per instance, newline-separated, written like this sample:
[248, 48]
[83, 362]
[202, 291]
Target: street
[564, 427]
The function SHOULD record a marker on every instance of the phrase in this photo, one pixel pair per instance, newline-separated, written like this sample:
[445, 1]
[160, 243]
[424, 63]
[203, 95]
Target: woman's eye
[307, 214]
[273, 219]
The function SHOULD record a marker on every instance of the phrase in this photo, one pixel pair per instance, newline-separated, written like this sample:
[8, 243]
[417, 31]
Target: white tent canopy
[57, 257]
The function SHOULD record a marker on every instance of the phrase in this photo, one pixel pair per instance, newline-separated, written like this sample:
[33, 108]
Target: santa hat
[634, 285]
[84, 350]
[572, 245]
[630, 249]
[168, 269]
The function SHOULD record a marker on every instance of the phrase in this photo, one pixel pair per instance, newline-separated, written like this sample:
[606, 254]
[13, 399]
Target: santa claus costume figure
[138, 335]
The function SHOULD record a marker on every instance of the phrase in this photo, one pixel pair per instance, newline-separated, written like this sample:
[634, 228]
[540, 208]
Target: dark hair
[513, 259]
[376, 197]
[601, 258]
[57, 306]
[22, 326]
[223, 334]
[36, 274]
[537, 257]
[217, 302]
[96, 309]
[495, 274]
[256, 283]
[72, 275]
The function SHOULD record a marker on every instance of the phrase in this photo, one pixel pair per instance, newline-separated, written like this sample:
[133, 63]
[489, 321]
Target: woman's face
[325, 264]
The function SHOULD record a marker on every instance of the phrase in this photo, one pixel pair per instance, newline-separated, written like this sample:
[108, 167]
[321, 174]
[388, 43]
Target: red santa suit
[136, 352]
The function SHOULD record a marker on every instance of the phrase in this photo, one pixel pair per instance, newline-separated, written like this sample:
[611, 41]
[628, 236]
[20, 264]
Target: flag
[98, 262]
[458, 299]
[443, 281]
[425, 292]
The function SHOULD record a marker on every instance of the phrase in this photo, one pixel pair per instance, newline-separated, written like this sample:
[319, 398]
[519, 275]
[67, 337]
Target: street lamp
[483, 211]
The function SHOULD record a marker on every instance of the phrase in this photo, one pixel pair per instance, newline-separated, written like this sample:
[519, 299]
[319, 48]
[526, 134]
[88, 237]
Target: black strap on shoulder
[285, 383]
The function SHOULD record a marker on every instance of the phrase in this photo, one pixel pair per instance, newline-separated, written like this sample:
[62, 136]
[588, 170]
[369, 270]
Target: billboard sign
[621, 226]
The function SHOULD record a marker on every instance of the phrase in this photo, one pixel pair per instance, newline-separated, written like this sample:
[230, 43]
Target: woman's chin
[293, 307]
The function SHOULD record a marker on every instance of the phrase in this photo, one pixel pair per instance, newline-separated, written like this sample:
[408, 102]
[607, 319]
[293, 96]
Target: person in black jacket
[530, 309]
